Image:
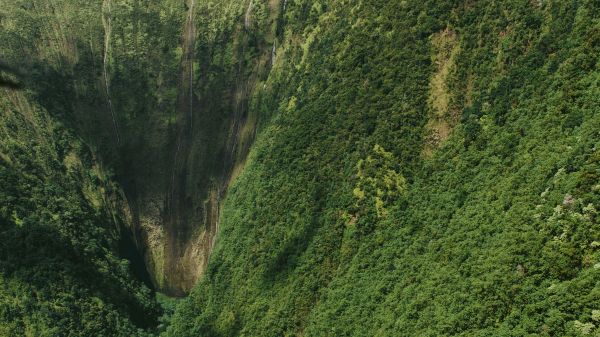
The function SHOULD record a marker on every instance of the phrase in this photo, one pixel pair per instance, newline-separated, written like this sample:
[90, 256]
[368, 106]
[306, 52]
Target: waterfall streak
[106, 22]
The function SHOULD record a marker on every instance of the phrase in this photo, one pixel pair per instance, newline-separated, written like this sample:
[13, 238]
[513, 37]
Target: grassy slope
[495, 233]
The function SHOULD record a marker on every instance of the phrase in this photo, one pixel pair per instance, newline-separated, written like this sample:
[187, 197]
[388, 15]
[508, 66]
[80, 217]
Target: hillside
[300, 168]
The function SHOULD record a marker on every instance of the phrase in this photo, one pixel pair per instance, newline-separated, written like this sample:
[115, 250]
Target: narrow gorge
[205, 142]
[161, 93]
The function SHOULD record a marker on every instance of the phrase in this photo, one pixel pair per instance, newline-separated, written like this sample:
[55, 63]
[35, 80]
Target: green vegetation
[493, 233]
[62, 229]
[392, 168]
[69, 265]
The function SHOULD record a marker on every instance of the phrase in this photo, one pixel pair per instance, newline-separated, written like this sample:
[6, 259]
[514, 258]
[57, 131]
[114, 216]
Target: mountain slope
[427, 169]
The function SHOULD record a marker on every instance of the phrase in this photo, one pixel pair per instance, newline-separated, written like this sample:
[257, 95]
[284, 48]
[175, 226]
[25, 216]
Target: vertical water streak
[106, 22]
[191, 60]
[273, 53]
[247, 16]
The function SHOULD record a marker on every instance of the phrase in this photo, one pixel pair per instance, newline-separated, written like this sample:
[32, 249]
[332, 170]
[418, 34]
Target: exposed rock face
[177, 218]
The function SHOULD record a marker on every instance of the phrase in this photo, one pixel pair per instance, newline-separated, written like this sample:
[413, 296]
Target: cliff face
[67, 260]
[207, 140]
[161, 92]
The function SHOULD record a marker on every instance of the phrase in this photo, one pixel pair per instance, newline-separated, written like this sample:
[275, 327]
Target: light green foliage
[378, 182]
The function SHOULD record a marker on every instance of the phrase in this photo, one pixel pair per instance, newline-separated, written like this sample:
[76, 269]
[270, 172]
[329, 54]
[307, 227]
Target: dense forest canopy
[299, 168]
